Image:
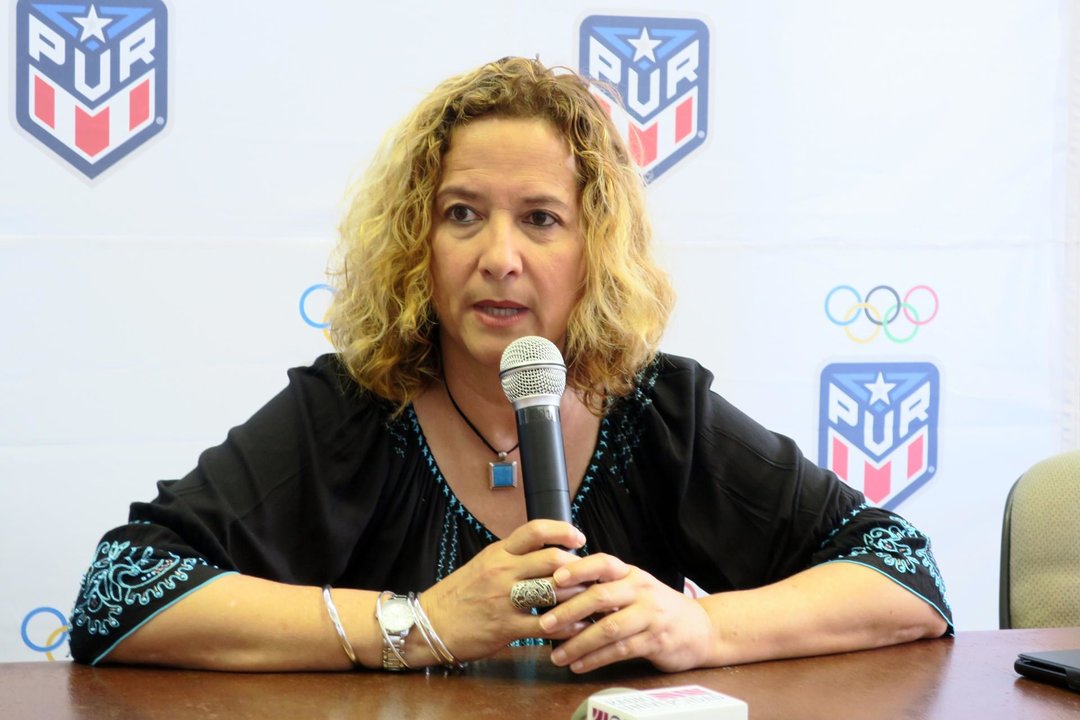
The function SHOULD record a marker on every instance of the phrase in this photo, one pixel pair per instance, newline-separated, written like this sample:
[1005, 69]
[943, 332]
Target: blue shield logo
[659, 67]
[879, 427]
[90, 77]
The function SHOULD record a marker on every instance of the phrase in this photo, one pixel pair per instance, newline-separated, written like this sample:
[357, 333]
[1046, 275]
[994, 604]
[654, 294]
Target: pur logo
[879, 427]
[652, 77]
[90, 77]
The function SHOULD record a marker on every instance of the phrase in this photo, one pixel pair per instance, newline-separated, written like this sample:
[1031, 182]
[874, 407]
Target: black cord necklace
[503, 473]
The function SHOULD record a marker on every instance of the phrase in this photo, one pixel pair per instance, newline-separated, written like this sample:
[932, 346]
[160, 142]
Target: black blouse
[324, 486]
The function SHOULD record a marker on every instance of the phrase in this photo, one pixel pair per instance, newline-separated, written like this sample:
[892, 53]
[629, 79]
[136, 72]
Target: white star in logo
[92, 25]
[879, 389]
[644, 46]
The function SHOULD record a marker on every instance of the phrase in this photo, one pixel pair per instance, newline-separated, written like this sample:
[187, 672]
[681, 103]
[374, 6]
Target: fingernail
[578, 666]
[558, 656]
[561, 576]
[547, 622]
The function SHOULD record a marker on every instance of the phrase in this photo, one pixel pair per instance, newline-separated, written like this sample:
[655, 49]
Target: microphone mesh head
[532, 366]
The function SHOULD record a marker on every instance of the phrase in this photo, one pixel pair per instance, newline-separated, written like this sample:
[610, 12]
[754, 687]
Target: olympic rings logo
[920, 296]
[315, 298]
[55, 639]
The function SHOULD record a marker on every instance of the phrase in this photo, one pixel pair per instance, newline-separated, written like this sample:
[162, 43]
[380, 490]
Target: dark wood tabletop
[970, 676]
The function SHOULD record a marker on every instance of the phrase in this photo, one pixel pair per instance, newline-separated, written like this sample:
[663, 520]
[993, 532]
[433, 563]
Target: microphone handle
[543, 463]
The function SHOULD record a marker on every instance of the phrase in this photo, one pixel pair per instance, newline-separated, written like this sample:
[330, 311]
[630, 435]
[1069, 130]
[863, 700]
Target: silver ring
[533, 593]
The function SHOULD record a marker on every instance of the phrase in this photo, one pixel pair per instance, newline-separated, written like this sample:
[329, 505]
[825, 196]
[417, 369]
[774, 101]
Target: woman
[505, 206]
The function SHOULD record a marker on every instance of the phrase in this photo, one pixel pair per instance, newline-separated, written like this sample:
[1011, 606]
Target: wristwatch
[396, 619]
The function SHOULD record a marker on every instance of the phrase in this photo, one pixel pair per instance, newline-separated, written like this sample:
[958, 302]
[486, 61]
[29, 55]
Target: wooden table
[970, 676]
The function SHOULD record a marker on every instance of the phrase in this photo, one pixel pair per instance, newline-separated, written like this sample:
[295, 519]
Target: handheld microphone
[533, 377]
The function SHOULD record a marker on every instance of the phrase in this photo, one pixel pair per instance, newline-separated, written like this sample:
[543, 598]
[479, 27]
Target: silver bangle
[424, 633]
[331, 610]
[438, 647]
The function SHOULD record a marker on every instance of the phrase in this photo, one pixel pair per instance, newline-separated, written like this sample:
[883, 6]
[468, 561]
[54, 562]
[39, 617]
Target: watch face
[397, 615]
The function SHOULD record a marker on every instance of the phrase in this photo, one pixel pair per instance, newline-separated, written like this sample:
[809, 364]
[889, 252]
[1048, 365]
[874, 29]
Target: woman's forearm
[244, 623]
[836, 607]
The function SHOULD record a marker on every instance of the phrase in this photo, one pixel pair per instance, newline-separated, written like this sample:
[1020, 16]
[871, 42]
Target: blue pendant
[503, 473]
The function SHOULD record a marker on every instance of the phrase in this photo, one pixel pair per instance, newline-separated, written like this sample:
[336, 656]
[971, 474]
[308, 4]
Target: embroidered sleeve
[126, 585]
[892, 546]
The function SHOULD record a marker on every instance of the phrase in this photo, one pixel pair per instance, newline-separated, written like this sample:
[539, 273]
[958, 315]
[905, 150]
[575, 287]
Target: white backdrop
[849, 143]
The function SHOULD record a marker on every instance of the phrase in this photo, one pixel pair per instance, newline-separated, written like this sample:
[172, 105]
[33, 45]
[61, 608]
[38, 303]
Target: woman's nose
[500, 254]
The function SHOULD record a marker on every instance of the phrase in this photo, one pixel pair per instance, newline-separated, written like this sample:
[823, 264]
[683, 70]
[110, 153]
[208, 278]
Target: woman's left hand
[640, 617]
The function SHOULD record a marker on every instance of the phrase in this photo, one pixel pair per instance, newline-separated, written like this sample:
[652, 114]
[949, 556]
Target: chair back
[1040, 546]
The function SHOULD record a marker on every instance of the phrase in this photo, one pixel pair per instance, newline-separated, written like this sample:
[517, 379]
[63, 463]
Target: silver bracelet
[331, 610]
[414, 602]
[438, 647]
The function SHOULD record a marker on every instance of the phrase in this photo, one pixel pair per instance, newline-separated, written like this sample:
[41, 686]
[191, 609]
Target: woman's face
[507, 255]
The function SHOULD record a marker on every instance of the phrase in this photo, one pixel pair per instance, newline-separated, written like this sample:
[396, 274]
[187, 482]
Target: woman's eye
[461, 214]
[541, 218]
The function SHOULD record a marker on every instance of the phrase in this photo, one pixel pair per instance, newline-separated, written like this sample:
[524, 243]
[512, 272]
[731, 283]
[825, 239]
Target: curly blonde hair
[383, 320]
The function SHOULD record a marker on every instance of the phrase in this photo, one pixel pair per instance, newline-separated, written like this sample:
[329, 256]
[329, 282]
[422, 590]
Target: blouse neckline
[444, 487]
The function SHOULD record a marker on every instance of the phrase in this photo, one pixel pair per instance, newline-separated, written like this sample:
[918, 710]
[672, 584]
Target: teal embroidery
[925, 556]
[398, 442]
[625, 426]
[900, 546]
[847, 518]
[449, 556]
[123, 575]
[887, 544]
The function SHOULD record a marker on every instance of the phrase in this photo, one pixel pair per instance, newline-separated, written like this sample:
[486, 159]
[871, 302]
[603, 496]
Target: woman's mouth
[500, 312]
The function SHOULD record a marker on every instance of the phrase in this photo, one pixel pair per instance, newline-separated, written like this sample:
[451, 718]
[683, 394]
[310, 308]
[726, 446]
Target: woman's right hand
[470, 609]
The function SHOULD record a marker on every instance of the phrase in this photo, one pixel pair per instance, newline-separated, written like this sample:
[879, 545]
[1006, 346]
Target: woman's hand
[470, 609]
[640, 617]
